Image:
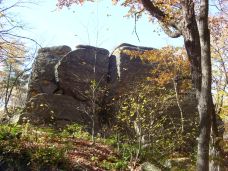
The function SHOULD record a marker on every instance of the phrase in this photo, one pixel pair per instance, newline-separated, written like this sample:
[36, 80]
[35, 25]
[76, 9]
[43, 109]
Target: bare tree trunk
[216, 151]
[7, 90]
[179, 105]
[10, 88]
[192, 43]
[205, 106]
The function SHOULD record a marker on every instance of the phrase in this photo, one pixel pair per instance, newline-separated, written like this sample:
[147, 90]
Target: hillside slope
[29, 148]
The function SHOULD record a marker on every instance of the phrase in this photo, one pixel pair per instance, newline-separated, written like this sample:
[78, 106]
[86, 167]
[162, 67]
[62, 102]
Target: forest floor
[29, 147]
[26, 148]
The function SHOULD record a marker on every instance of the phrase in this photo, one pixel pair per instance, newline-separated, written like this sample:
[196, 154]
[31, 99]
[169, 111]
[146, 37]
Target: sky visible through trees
[101, 25]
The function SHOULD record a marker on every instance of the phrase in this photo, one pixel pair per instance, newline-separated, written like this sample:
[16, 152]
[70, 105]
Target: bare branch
[135, 27]
[23, 37]
[7, 8]
[16, 4]
[14, 27]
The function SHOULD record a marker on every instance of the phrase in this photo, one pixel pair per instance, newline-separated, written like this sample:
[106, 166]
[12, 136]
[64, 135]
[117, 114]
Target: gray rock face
[65, 84]
[80, 69]
[55, 109]
[125, 68]
[126, 71]
[42, 79]
[56, 50]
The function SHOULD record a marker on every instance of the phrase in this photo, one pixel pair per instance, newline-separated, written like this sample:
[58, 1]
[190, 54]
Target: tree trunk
[197, 44]
[7, 90]
[216, 151]
[192, 44]
[204, 107]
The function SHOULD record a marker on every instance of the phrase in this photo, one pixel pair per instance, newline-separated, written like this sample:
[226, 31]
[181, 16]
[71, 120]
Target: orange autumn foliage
[170, 63]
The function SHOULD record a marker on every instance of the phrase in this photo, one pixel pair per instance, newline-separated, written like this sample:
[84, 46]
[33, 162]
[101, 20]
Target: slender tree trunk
[192, 43]
[216, 151]
[205, 106]
[7, 90]
[179, 106]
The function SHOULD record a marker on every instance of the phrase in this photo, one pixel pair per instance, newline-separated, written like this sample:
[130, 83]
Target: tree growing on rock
[189, 19]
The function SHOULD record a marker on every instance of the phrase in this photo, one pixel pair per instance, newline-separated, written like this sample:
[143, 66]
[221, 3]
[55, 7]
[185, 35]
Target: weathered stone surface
[55, 109]
[56, 50]
[42, 79]
[60, 88]
[78, 69]
[127, 69]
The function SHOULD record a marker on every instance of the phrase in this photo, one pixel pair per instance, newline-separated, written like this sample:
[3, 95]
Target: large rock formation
[79, 86]
[64, 84]
[127, 71]
[79, 68]
[42, 78]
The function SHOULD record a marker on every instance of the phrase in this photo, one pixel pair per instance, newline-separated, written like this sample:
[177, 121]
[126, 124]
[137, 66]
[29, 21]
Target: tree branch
[160, 16]
[23, 37]
[153, 10]
[171, 33]
[6, 31]
[135, 27]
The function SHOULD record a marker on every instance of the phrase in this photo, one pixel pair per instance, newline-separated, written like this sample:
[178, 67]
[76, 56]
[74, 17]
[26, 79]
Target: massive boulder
[55, 109]
[42, 78]
[67, 86]
[82, 69]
